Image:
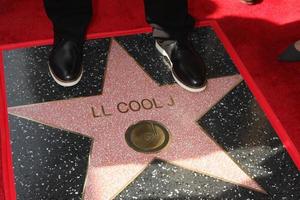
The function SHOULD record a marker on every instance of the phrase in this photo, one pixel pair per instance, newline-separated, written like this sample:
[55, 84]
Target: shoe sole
[170, 65]
[247, 3]
[64, 83]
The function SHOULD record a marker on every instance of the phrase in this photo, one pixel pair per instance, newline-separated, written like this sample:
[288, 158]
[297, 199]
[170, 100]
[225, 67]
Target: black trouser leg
[169, 18]
[70, 18]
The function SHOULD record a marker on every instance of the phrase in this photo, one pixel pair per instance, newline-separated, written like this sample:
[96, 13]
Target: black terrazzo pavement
[161, 180]
[238, 124]
[142, 48]
[28, 79]
[49, 164]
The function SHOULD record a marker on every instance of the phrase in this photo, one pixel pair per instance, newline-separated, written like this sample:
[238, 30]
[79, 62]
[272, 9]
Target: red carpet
[258, 33]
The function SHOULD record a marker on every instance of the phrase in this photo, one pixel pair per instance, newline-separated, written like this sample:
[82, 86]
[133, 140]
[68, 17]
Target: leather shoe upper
[187, 65]
[291, 54]
[65, 60]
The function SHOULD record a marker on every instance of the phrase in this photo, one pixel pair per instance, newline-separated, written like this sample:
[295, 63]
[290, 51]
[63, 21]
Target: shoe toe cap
[66, 66]
[65, 72]
[198, 83]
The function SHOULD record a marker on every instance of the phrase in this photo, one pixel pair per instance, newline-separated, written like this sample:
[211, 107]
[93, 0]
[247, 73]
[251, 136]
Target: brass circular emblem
[147, 136]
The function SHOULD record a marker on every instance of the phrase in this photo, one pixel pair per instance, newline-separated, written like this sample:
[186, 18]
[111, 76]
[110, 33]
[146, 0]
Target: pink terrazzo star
[105, 118]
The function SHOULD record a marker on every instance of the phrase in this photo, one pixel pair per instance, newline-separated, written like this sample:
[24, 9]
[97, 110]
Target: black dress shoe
[187, 67]
[65, 62]
[291, 54]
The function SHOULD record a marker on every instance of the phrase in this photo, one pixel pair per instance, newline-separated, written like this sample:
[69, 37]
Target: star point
[130, 95]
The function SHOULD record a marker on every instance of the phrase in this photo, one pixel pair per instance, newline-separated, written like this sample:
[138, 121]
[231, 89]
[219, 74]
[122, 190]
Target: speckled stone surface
[161, 180]
[236, 124]
[28, 79]
[49, 164]
[142, 48]
[239, 125]
[113, 163]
